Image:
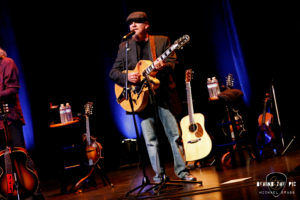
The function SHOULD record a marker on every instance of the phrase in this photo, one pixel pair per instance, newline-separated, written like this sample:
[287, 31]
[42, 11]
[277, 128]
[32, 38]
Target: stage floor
[247, 182]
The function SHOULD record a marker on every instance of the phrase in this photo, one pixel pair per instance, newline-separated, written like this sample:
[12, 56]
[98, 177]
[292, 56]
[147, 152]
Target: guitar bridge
[194, 141]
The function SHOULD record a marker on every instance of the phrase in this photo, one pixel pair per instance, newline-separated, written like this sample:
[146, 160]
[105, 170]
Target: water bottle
[69, 116]
[209, 87]
[218, 87]
[215, 87]
[62, 114]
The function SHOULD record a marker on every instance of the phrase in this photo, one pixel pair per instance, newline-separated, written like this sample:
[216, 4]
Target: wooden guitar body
[93, 152]
[197, 143]
[265, 134]
[139, 92]
[25, 174]
[265, 120]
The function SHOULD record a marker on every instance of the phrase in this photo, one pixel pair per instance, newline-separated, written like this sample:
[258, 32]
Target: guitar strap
[152, 47]
[174, 103]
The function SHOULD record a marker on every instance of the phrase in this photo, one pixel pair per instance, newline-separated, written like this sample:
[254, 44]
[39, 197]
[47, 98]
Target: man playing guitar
[143, 47]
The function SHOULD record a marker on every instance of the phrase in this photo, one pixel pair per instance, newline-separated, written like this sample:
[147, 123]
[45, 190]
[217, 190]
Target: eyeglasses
[136, 20]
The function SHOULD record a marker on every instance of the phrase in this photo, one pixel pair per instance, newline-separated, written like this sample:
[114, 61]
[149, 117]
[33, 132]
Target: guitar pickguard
[135, 90]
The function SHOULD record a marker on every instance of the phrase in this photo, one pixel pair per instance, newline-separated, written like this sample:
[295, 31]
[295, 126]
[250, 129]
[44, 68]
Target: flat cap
[137, 16]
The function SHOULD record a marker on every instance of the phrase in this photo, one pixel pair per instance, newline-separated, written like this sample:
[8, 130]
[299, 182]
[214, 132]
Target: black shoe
[189, 177]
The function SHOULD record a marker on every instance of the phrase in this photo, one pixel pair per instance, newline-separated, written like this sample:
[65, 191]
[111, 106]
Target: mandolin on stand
[92, 148]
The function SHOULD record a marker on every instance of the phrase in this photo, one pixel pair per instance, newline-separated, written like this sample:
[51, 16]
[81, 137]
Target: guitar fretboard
[149, 69]
[264, 113]
[8, 167]
[190, 102]
[88, 134]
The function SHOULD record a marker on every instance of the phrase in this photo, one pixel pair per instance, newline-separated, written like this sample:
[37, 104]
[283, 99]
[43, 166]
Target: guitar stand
[103, 176]
[77, 186]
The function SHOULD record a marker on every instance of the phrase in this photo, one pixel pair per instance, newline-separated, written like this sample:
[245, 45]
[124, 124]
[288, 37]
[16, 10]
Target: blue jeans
[172, 132]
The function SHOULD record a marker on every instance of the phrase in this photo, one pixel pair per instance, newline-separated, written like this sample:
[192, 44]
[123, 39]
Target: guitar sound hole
[193, 127]
[197, 128]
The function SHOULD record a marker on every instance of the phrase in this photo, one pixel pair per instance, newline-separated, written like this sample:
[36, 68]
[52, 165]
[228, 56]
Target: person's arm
[116, 73]
[8, 92]
[10, 78]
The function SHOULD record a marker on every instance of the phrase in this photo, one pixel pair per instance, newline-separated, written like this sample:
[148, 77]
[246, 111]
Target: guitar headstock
[188, 75]
[182, 41]
[88, 108]
[229, 81]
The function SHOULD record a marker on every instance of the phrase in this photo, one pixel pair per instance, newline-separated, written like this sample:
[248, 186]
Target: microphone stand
[126, 73]
[126, 62]
[145, 180]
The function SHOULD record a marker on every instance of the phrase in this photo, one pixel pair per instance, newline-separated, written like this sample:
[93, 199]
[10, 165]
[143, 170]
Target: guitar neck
[149, 69]
[190, 102]
[88, 134]
[7, 160]
[8, 171]
[264, 113]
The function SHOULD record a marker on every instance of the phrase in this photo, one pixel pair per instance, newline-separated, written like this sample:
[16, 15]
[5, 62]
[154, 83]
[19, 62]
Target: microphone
[128, 35]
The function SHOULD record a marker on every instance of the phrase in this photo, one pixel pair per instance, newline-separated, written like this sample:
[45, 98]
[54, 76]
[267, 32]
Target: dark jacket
[9, 88]
[162, 43]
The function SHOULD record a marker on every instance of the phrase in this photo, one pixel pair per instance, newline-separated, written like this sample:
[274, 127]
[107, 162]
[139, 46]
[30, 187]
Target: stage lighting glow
[228, 50]
[9, 44]
[122, 120]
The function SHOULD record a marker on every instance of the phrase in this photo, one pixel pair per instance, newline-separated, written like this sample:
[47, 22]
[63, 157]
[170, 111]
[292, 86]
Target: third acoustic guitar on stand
[196, 142]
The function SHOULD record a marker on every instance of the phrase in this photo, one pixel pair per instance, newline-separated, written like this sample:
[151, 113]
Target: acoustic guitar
[18, 178]
[196, 142]
[140, 92]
